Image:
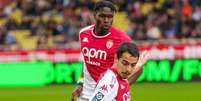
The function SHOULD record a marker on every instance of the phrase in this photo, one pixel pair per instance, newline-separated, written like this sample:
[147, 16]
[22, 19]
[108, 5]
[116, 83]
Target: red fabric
[99, 51]
[187, 10]
[3, 3]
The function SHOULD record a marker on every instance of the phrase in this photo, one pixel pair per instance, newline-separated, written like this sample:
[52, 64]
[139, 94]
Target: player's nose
[106, 20]
[129, 68]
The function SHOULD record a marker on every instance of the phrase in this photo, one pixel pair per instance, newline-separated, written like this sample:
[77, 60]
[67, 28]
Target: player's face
[126, 65]
[104, 18]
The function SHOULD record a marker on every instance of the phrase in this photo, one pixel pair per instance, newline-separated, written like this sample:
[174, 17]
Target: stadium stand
[30, 23]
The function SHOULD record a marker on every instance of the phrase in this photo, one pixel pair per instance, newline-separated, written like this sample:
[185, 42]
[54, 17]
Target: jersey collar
[96, 36]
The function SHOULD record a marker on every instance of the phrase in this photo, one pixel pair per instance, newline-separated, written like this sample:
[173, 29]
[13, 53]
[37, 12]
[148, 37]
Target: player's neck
[100, 32]
[114, 69]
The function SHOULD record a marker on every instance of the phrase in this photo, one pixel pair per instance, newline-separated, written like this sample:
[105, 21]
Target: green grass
[188, 91]
[182, 91]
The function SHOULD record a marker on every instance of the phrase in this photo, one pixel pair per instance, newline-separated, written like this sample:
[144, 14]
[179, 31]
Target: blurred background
[40, 56]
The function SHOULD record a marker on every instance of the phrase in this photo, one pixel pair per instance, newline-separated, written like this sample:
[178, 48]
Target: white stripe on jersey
[89, 83]
[85, 28]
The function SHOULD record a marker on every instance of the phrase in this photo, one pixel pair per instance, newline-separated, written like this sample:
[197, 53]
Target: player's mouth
[106, 25]
[125, 74]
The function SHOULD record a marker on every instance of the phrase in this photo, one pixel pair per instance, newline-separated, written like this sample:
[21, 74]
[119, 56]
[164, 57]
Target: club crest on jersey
[109, 44]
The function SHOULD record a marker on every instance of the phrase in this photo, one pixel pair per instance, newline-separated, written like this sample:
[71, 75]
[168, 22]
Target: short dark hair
[129, 47]
[104, 3]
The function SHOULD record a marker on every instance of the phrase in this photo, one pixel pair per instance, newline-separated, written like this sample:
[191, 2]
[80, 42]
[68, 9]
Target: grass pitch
[182, 91]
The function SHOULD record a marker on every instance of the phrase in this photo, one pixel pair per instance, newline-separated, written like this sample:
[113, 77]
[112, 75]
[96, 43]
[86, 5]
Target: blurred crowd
[162, 19]
[56, 23]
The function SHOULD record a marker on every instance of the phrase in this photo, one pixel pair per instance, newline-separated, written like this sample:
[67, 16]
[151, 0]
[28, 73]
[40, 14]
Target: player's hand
[138, 68]
[76, 93]
[144, 56]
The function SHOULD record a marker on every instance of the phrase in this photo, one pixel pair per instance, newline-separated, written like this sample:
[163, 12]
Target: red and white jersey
[111, 87]
[98, 53]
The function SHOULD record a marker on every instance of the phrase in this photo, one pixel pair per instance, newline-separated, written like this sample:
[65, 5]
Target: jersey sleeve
[127, 38]
[106, 89]
[123, 36]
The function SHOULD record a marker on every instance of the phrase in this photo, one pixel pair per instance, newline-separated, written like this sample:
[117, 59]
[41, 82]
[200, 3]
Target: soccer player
[98, 45]
[114, 86]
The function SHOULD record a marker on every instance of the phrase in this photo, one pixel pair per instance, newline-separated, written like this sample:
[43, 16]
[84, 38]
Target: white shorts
[88, 86]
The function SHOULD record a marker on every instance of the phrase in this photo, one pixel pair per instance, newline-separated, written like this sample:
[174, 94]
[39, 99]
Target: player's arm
[105, 90]
[77, 91]
[132, 79]
[139, 67]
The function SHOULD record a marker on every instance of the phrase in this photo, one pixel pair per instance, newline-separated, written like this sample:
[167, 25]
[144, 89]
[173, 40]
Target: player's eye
[125, 63]
[102, 15]
[110, 16]
[133, 65]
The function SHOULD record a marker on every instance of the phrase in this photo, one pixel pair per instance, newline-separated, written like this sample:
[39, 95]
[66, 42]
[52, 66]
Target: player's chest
[124, 96]
[103, 44]
[123, 92]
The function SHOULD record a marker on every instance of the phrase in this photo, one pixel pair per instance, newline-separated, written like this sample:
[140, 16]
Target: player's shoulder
[116, 30]
[109, 75]
[119, 33]
[87, 28]
[110, 79]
